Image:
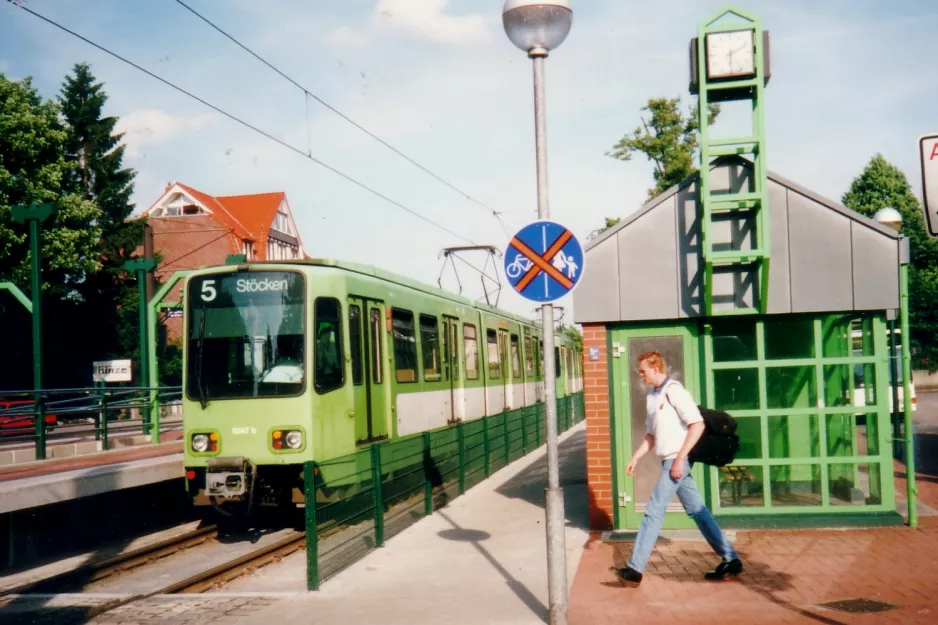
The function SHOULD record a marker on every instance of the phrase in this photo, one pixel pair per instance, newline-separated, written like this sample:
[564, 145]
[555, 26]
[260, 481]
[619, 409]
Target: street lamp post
[536, 27]
[892, 218]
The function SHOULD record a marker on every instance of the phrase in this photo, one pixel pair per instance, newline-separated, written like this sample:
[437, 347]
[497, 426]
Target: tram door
[451, 369]
[369, 384]
[505, 367]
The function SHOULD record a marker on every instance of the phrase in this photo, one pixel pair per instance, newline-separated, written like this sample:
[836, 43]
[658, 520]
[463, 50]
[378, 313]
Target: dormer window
[282, 223]
[190, 209]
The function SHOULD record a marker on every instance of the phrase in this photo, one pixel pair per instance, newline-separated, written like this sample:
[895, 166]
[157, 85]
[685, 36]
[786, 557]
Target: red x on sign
[542, 263]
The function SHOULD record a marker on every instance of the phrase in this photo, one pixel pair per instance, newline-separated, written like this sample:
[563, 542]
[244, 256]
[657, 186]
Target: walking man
[674, 425]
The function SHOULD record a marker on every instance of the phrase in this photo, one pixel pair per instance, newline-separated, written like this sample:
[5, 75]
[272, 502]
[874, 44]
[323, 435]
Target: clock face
[730, 54]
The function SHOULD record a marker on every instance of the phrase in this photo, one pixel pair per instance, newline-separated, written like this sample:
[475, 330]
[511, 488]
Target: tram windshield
[245, 335]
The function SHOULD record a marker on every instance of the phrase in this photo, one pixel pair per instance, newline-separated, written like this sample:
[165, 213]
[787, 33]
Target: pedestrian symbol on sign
[544, 261]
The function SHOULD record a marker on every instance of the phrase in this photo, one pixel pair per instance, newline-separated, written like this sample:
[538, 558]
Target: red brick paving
[787, 573]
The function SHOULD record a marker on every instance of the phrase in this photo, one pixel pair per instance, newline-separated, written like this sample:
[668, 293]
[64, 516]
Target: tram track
[202, 581]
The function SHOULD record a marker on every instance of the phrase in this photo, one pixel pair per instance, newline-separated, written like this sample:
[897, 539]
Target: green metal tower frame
[755, 202]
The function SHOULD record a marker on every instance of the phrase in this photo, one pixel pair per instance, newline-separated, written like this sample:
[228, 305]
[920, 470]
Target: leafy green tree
[34, 168]
[99, 175]
[668, 139]
[882, 184]
[576, 338]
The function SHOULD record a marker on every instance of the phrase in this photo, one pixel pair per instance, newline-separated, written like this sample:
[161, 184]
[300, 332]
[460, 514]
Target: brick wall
[598, 443]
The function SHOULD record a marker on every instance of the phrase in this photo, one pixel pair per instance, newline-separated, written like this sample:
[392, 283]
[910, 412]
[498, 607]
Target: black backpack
[719, 443]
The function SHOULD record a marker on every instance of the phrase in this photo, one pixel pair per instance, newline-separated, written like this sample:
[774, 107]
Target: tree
[576, 338]
[668, 139]
[883, 184]
[33, 168]
[99, 175]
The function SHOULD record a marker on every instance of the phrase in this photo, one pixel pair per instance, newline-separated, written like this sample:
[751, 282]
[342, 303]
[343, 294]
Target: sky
[439, 81]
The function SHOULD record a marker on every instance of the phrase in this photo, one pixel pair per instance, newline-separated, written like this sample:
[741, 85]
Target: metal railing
[357, 502]
[73, 415]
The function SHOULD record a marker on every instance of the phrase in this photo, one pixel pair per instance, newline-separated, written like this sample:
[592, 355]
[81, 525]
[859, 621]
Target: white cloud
[148, 127]
[427, 19]
[346, 37]
[423, 19]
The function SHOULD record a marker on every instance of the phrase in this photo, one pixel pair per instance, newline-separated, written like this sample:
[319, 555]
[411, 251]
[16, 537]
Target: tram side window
[491, 344]
[471, 347]
[515, 356]
[528, 356]
[557, 362]
[430, 344]
[355, 342]
[405, 345]
[330, 373]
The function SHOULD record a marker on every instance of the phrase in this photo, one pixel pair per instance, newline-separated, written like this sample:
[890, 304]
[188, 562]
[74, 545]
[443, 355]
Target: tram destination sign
[111, 370]
[928, 150]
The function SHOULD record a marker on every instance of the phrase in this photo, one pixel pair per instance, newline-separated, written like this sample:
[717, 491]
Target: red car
[20, 424]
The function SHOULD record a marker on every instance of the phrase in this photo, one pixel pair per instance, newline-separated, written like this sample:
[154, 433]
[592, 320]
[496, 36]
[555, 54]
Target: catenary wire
[308, 93]
[242, 122]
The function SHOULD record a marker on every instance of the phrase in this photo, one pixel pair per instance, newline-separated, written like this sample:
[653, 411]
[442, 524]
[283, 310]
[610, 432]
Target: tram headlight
[293, 439]
[199, 443]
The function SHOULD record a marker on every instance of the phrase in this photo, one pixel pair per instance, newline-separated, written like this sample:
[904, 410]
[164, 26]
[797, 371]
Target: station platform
[40, 483]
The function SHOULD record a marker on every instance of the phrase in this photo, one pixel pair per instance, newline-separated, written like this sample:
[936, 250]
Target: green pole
[140, 267]
[154, 372]
[33, 215]
[907, 400]
[378, 496]
[312, 539]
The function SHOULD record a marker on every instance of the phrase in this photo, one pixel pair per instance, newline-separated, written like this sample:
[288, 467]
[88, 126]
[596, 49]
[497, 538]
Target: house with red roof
[192, 229]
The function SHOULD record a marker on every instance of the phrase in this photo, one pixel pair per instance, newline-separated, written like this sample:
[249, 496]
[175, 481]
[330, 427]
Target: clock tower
[729, 61]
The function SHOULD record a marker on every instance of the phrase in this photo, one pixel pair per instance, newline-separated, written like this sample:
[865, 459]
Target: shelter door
[679, 348]
[369, 386]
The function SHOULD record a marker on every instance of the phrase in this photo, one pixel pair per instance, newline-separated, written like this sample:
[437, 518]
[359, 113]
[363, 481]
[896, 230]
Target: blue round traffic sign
[544, 261]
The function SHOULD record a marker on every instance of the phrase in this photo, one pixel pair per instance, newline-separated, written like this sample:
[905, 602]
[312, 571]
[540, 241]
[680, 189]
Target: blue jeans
[693, 505]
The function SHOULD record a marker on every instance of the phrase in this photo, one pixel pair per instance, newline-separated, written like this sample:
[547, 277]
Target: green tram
[312, 360]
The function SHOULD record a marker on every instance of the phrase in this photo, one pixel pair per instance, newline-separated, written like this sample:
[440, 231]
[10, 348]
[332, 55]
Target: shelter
[806, 372]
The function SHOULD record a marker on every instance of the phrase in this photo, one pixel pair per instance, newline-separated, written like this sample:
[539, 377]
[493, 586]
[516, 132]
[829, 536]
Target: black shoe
[726, 567]
[627, 576]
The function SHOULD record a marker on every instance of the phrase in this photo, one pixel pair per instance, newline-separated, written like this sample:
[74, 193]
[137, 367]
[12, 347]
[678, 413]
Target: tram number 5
[208, 291]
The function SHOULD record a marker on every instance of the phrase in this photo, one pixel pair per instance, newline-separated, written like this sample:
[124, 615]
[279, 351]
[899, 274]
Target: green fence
[357, 502]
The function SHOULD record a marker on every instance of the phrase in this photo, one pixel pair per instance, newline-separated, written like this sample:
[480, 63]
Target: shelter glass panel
[794, 436]
[796, 485]
[788, 338]
[734, 340]
[855, 484]
[749, 431]
[736, 389]
[791, 387]
[741, 486]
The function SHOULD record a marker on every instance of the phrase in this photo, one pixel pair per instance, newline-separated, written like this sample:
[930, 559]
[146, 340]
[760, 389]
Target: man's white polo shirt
[669, 426]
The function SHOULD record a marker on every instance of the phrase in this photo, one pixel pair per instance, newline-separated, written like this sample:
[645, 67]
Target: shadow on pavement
[530, 483]
[475, 537]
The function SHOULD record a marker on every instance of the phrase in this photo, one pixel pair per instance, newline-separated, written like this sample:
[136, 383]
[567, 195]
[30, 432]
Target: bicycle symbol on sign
[520, 265]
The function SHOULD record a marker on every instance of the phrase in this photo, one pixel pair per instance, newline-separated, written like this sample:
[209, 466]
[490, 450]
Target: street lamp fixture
[889, 217]
[537, 27]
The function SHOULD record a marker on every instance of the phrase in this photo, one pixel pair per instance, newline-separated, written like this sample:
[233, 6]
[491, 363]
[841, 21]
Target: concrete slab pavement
[480, 559]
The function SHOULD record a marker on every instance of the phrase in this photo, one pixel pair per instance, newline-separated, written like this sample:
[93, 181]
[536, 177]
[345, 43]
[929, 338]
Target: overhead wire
[242, 122]
[307, 93]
